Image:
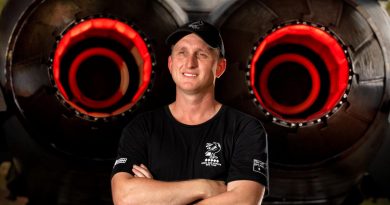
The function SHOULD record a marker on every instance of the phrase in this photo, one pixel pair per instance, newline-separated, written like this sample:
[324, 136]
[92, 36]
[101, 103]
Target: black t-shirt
[230, 146]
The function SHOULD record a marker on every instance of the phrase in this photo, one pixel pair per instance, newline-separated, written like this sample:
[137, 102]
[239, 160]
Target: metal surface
[54, 145]
[3, 105]
[318, 164]
[67, 159]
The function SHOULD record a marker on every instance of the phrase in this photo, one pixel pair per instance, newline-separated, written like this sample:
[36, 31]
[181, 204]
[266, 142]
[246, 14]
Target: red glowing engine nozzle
[102, 67]
[300, 73]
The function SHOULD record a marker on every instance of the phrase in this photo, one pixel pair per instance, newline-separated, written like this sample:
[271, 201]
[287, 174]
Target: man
[195, 150]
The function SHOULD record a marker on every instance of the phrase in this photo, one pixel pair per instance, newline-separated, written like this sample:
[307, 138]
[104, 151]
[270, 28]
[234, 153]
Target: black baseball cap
[209, 33]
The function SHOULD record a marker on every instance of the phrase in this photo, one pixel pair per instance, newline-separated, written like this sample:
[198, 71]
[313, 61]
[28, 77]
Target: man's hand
[213, 188]
[141, 171]
[238, 192]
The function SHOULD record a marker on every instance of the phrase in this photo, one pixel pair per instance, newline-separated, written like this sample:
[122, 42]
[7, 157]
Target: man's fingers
[142, 171]
[137, 173]
[214, 188]
[143, 166]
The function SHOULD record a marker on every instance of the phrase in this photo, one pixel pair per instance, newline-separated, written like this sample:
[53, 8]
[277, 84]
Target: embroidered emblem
[196, 25]
[211, 157]
[259, 166]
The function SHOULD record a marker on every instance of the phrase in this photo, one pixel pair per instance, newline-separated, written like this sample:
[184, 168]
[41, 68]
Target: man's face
[194, 65]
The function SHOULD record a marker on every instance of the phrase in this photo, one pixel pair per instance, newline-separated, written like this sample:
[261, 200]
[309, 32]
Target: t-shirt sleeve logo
[259, 166]
[211, 159]
[120, 161]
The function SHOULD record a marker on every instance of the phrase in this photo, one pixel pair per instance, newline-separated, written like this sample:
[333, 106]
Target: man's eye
[203, 55]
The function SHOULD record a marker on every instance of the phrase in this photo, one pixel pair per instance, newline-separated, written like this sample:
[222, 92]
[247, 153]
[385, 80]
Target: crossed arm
[143, 189]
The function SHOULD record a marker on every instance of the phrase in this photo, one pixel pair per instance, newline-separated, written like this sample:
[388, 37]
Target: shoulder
[243, 122]
[234, 113]
[147, 117]
[158, 112]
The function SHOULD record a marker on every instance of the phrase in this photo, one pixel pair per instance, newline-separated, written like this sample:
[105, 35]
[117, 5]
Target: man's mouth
[190, 74]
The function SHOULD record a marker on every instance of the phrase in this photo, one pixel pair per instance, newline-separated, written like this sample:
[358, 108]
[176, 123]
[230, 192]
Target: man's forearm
[239, 192]
[134, 190]
[149, 191]
[230, 198]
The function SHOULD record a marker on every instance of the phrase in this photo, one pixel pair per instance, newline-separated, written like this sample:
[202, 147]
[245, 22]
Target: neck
[194, 109]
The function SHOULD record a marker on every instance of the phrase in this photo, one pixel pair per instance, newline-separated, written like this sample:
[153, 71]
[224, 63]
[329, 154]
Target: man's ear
[170, 63]
[221, 67]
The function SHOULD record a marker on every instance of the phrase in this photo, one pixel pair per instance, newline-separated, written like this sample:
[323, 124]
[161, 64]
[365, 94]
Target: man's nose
[192, 61]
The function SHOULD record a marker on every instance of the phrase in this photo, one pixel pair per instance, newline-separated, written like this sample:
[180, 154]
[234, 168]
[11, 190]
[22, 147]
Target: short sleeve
[132, 148]
[250, 154]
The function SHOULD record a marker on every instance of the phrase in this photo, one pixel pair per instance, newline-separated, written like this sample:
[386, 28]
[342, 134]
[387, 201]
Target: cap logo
[196, 25]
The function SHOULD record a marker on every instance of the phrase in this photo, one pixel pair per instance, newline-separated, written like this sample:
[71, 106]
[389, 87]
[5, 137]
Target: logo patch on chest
[211, 159]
